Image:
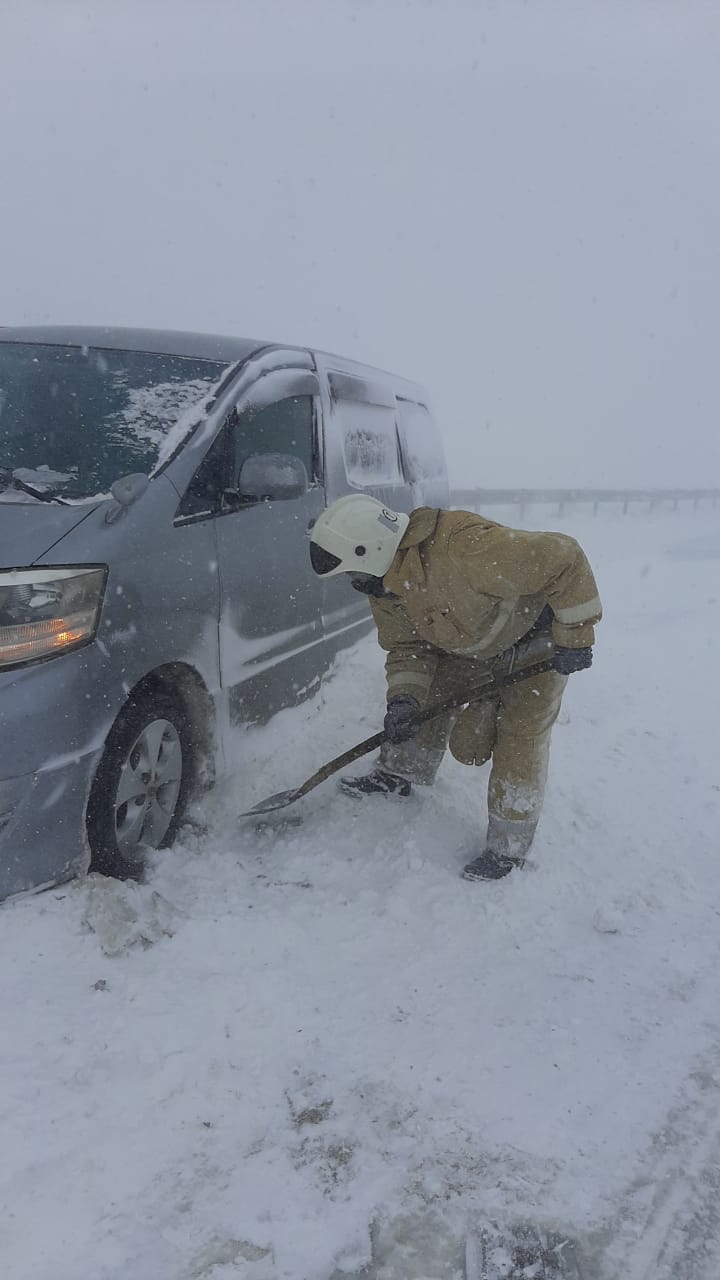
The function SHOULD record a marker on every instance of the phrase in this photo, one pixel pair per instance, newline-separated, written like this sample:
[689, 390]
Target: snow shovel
[284, 798]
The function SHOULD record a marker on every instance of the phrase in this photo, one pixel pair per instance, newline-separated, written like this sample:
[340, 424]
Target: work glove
[401, 712]
[568, 660]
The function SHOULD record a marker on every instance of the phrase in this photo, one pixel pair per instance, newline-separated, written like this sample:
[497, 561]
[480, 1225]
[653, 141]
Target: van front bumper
[42, 825]
[53, 720]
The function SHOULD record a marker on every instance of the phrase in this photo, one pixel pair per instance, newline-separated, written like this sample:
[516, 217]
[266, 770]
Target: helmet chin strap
[368, 584]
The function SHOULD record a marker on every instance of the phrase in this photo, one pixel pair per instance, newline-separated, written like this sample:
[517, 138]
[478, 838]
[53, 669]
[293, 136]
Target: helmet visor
[321, 560]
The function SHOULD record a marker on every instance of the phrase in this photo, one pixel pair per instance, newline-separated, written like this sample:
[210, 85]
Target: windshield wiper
[8, 480]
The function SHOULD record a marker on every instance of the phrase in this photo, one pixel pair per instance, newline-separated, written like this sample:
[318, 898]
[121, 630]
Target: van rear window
[74, 419]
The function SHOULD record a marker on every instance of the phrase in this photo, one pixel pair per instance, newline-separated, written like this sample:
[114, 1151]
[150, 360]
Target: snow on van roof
[201, 346]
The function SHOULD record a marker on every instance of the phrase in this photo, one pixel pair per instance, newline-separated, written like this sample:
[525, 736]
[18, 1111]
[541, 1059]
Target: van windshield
[75, 419]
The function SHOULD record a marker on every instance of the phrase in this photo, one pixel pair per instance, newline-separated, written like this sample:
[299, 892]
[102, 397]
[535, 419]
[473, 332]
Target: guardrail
[652, 499]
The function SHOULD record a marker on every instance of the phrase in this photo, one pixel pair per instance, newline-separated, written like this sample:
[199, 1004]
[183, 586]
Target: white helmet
[356, 534]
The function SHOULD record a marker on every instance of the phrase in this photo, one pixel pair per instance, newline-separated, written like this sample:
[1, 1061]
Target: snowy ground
[292, 1041]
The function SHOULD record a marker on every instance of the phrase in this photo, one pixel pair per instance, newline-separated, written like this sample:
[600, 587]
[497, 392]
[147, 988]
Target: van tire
[149, 752]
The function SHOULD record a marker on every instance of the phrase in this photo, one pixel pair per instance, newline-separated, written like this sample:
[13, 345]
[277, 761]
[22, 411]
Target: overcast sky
[516, 203]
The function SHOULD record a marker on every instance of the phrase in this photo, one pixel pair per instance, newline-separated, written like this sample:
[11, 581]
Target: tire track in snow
[669, 1227]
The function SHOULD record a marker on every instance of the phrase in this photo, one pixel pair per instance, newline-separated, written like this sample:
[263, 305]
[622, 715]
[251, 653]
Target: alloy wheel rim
[148, 788]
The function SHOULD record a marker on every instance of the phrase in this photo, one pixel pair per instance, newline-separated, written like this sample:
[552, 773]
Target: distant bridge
[625, 499]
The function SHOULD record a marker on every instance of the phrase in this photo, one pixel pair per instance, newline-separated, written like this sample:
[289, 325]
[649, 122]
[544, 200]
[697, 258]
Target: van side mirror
[272, 477]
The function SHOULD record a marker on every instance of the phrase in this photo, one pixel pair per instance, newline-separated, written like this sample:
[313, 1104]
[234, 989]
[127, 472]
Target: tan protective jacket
[465, 585]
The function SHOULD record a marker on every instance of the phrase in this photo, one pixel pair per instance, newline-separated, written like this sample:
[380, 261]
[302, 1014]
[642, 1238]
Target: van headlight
[48, 611]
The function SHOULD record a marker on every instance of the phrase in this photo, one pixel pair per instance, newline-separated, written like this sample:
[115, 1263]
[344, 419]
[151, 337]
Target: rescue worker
[456, 597]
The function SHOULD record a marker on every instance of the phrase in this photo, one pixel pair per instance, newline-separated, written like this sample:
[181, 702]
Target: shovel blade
[279, 801]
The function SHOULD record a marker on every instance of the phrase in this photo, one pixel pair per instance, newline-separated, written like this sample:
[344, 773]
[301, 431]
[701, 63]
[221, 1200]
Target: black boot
[491, 866]
[377, 782]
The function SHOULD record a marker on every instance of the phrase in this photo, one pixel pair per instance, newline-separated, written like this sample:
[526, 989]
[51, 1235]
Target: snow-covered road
[296, 1040]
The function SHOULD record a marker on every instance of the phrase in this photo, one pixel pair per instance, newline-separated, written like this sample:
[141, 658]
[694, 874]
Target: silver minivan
[156, 490]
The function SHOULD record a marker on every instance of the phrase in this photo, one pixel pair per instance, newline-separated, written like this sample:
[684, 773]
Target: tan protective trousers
[513, 728]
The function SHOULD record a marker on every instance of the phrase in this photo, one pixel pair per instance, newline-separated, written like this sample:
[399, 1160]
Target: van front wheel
[142, 785]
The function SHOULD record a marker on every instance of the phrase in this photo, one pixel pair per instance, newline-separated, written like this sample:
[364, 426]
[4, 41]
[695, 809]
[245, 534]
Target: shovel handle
[487, 690]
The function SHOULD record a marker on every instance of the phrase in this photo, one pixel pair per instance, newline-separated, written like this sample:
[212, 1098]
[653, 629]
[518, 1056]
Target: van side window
[422, 450]
[286, 426]
[370, 443]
